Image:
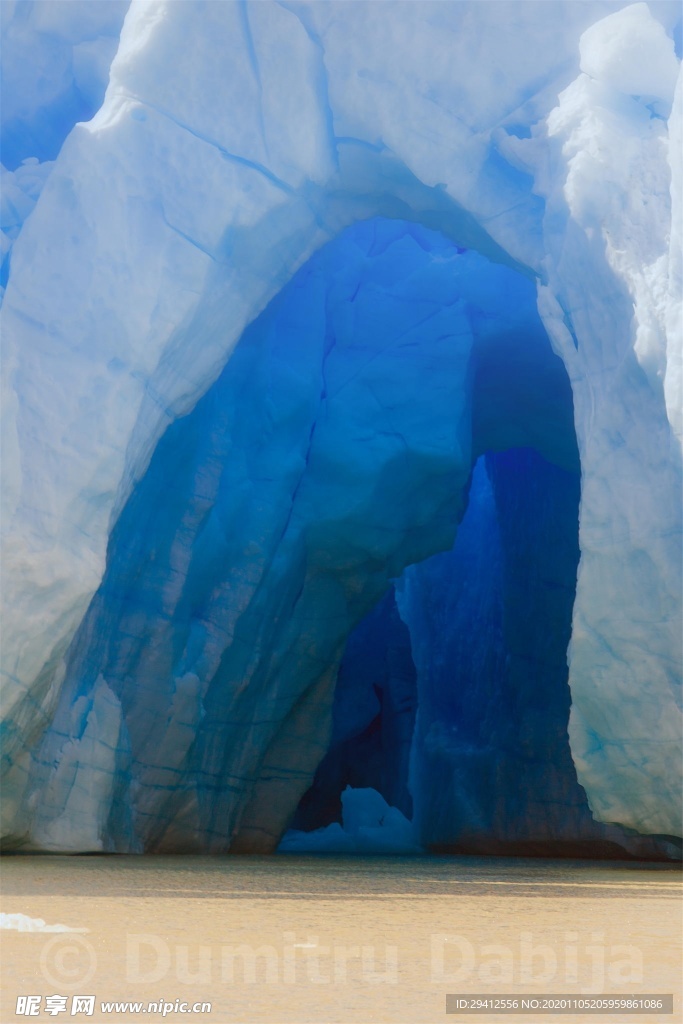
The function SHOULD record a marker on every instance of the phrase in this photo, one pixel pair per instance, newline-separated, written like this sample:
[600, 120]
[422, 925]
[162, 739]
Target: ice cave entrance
[384, 478]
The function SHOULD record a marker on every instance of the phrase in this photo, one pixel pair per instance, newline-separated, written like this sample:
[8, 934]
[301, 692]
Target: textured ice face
[55, 69]
[220, 161]
[631, 52]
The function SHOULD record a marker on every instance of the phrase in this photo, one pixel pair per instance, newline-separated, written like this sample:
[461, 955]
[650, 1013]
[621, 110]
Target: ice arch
[334, 450]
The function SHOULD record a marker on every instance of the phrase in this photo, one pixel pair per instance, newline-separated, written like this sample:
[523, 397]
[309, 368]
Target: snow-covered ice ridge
[305, 267]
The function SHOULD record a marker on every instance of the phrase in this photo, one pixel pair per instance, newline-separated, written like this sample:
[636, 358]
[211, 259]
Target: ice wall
[614, 198]
[235, 139]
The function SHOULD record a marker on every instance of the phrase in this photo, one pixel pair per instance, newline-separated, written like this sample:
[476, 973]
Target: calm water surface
[333, 940]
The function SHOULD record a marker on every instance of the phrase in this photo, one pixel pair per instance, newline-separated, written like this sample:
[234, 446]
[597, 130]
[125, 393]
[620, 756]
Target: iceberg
[341, 420]
[23, 923]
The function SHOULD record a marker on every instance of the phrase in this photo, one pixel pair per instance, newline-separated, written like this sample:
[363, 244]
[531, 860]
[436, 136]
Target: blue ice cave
[341, 427]
[352, 564]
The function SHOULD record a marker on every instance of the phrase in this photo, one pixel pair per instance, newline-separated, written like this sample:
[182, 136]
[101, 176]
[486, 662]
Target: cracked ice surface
[225, 153]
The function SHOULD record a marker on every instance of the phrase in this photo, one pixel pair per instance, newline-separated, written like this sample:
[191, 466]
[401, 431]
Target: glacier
[341, 426]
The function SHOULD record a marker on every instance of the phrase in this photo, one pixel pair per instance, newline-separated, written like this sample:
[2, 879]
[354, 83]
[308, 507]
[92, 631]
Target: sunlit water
[330, 939]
